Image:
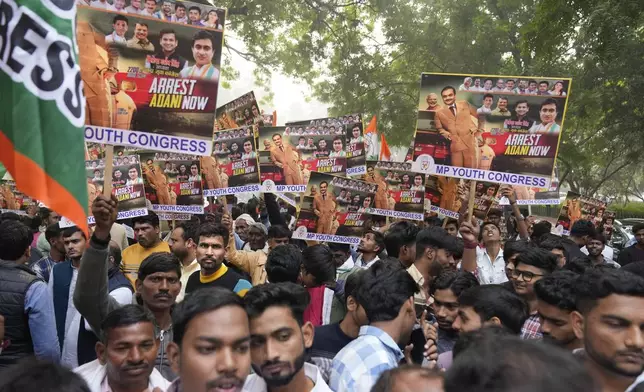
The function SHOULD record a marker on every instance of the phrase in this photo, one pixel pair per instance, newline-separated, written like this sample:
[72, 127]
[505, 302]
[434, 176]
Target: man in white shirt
[150, 8]
[117, 6]
[488, 100]
[486, 263]
[194, 173]
[182, 244]
[203, 50]
[119, 24]
[126, 354]
[134, 7]
[62, 283]
[280, 338]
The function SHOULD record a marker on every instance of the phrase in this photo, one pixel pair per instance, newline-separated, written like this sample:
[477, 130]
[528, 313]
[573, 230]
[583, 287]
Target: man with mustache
[210, 359]
[610, 322]
[125, 354]
[279, 339]
[212, 240]
[157, 283]
[555, 302]
[75, 335]
[147, 232]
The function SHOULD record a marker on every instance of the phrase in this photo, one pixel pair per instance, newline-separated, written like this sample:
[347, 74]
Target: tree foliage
[367, 56]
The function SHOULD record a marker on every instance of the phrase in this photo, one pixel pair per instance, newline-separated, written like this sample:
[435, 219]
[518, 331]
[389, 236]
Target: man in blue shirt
[387, 295]
[25, 302]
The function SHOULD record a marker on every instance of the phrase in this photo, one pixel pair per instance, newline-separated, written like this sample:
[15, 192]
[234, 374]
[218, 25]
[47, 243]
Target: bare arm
[521, 225]
[470, 232]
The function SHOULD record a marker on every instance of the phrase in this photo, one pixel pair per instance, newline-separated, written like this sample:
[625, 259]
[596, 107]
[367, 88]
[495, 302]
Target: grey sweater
[93, 302]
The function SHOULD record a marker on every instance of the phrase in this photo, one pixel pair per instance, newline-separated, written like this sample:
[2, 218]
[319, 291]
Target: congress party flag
[371, 139]
[41, 135]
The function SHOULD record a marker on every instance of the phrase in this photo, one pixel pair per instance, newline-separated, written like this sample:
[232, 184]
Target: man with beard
[166, 61]
[147, 232]
[74, 335]
[386, 294]
[212, 240]
[400, 241]
[610, 322]
[210, 359]
[445, 290]
[532, 266]
[279, 340]
[157, 283]
[555, 302]
[126, 354]
[595, 246]
[183, 245]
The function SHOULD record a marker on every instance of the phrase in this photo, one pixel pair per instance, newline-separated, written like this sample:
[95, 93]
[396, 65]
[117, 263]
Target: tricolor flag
[385, 152]
[41, 128]
[371, 139]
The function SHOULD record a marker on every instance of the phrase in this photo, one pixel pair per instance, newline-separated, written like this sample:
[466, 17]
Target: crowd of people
[228, 301]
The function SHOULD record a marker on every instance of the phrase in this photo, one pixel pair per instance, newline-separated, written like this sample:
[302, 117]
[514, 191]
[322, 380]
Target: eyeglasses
[527, 276]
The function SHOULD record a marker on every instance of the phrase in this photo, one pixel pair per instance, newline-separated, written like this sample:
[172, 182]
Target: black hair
[142, 23]
[317, 260]
[455, 281]
[15, 239]
[451, 222]
[637, 227]
[548, 101]
[539, 229]
[194, 7]
[384, 289]
[339, 247]
[582, 227]
[120, 17]
[531, 81]
[198, 302]
[459, 247]
[179, 5]
[387, 379]
[202, 34]
[543, 81]
[45, 212]
[210, 230]
[475, 338]
[520, 102]
[511, 248]
[598, 237]
[578, 265]
[151, 219]
[159, 262]
[557, 289]
[378, 237]
[115, 252]
[125, 316]
[70, 231]
[432, 237]
[488, 95]
[283, 264]
[509, 364]
[164, 32]
[503, 98]
[323, 182]
[189, 231]
[53, 231]
[636, 268]
[287, 294]
[597, 284]
[539, 258]
[9, 216]
[493, 300]
[448, 88]
[279, 231]
[487, 223]
[33, 374]
[400, 234]
[352, 285]
[549, 243]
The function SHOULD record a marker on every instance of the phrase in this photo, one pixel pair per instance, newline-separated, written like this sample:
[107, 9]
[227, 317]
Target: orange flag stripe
[32, 180]
[372, 126]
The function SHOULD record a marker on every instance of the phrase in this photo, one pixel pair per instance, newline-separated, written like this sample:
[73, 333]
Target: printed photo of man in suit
[286, 158]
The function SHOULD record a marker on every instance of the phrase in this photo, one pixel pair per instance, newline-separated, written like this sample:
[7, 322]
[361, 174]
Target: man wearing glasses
[531, 266]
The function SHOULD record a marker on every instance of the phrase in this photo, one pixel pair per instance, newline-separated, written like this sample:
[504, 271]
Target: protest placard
[333, 209]
[150, 82]
[576, 207]
[233, 167]
[401, 191]
[286, 166]
[536, 196]
[334, 137]
[239, 112]
[172, 181]
[12, 200]
[501, 129]
[447, 194]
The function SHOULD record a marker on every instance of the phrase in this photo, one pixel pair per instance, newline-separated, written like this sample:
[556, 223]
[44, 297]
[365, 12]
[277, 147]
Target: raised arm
[521, 225]
[470, 233]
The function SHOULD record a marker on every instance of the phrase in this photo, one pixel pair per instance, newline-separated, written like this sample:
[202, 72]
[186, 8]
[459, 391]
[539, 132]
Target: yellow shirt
[133, 256]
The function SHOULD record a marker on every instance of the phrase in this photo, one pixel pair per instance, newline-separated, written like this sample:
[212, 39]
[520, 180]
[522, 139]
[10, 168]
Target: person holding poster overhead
[203, 49]
[324, 207]
[454, 122]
